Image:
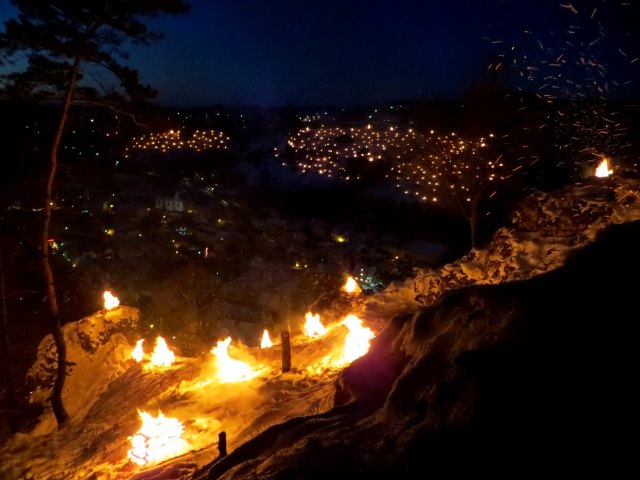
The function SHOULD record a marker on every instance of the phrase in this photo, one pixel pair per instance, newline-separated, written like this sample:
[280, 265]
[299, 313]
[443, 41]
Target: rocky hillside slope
[532, 376]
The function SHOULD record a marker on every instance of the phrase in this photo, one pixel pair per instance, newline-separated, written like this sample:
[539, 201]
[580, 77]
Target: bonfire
[230, 370]
[161, 356]
[313, 327]
[110, 301]
[266, 342]
[138, 353]
[351, 286]
[602, 170]
[158, 439]
[356, 344]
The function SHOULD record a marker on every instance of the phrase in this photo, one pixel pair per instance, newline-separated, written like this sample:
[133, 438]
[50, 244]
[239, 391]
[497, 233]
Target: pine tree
[67, 46]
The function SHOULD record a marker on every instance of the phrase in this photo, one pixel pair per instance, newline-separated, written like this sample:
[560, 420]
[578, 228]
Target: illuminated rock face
[86, 335]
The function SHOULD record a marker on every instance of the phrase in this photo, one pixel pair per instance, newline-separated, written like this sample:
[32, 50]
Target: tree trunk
[222, 444]
[5, 355]
[474, 221]
[57, 405]
[285, 342]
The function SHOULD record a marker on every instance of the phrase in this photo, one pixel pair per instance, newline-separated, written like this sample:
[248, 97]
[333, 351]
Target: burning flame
[162, 356]
[351, 286]
[312, 326]
[230, 370]
[266, 341]
[356, 344]
[602, 170]
[138, 353]
[158, 439]
[110, 302]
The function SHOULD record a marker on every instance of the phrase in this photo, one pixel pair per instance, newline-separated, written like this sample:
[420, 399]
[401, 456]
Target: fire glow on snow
[230, 370]
[313, 327]
[110, 301]
[159, 438]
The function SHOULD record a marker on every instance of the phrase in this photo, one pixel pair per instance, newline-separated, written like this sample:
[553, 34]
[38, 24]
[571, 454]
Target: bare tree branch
[96, 103]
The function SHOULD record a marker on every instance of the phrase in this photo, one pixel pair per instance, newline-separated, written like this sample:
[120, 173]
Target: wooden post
[286, 350]
[222, 444]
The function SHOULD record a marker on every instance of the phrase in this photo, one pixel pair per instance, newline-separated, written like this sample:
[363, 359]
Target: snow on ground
[546, 228]
[106, 388]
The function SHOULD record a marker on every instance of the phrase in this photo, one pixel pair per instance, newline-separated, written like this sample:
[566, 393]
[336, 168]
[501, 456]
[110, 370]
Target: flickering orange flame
[602, 170]
[266, 342]
[158, 439]
[351, 286]
[230, 370]
[356, 344]
[110, 302]
[137, 352]
[312, 326]
[162, 356]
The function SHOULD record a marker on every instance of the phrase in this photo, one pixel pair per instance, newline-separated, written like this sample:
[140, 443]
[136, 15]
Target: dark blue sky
[278, 52]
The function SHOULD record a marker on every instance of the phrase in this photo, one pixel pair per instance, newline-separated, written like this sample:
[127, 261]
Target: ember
[159, 438]
[110, 302]
[313, 327]
[229, 369]
[266, 340]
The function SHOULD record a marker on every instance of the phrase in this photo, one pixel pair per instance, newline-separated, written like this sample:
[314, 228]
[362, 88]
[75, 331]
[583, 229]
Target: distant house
[170, 204]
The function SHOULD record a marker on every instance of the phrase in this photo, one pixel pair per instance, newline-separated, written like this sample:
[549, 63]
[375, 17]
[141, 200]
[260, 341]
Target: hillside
[505, 355]
[525, 377]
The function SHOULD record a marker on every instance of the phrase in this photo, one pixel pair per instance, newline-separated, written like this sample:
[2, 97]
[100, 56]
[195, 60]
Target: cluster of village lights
[425, 166]
[160, 437]
[172, 141]
[421, 165]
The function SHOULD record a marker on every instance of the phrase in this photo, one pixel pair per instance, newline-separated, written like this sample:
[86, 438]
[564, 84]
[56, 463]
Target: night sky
[279, 52]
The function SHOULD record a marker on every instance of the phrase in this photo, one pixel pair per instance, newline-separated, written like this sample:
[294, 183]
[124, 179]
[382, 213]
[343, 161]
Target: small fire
[602, 170]
[351, 286]
[356, 344]
[158, 439]
[110, 302]
[162, 356]
[312, 326]
[266, 341]
[229, 369]
[138, 353]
